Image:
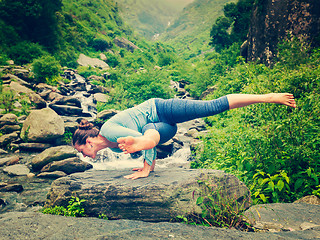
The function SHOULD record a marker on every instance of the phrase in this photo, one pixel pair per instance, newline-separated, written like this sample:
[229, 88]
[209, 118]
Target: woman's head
[82, 138]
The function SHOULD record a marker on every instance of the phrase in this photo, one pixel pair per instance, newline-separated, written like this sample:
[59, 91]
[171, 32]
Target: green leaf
[298, 184]
[199, 200]
[263, 197]
[280, 185]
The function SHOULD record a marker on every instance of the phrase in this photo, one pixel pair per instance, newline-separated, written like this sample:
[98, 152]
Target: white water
[108, 160]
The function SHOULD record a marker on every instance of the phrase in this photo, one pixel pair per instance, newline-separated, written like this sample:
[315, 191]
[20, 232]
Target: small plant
[67, 137]
[74, 209]
[7, 99]
[217, 210]
[46, 68]
[103, 216]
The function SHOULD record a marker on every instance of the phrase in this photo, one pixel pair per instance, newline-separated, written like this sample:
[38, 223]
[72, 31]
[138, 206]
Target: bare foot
[134, 144]
[282, 98]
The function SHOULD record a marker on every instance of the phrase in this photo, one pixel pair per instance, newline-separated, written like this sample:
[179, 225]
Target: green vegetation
[273, 149]
[45, 69]
[218, 210]
[75, 208]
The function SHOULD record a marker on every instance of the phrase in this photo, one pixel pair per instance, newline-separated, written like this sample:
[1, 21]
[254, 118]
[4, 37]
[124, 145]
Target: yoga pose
[143, 127]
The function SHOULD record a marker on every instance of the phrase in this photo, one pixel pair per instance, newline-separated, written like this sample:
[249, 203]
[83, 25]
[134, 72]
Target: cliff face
[273, 20]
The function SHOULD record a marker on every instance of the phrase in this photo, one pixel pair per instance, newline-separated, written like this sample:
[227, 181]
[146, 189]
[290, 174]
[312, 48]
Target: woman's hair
[85, 130]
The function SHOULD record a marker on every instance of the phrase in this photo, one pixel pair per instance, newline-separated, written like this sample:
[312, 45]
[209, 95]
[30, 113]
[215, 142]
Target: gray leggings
[173, 111]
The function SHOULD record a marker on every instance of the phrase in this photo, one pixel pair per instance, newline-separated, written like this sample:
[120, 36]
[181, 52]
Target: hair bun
[85, 125]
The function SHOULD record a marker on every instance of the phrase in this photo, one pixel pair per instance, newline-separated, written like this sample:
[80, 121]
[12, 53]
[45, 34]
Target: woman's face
[87, 150]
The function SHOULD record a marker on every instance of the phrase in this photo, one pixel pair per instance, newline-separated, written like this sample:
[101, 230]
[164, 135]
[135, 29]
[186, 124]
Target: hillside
[150, 17]
[189, 33]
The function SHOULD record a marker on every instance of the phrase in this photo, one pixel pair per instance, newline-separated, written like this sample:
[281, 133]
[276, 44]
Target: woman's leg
[242, 100]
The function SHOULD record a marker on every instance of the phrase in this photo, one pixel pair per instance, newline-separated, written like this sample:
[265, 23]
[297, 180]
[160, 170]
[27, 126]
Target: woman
[143, 127]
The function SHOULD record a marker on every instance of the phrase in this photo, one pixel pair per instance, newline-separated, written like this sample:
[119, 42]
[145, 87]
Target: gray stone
[8, 138]
[52, 154]
[308, 225]
[67, 110]
[18, 88]
[8, 119]
[52, 175]
[106, 114]
[125, 43]
[8, 160]
[17, 170]
[310, 199]
[37, 100]
[290, 215]
[43, 125]
[84, 60]
[4, 187]
[100, 97]
[69, 165]
[160, 197]
[35, 225]
[10, 128]
[34, 146]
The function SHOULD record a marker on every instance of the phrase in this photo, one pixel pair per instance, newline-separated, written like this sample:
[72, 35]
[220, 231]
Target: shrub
[45, 68]
[25, 52]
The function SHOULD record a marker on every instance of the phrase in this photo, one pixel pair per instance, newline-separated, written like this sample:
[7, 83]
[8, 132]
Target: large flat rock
[160, 197]
[30, 225]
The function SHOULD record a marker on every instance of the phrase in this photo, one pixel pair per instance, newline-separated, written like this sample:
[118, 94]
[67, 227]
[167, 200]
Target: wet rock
[52, 154]
[34, 146]
[43, 125]
[67, 110]
[160, 197]
[17, 170]
[70, 165]
[8, 119]
[68, 101]
[52, 175]
[4, 187]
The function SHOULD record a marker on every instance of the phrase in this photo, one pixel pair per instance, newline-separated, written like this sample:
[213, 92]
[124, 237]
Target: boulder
[37, 100]
[68, 166]
[106, 114]
[17, 170]
[125, 43]
[42, 125]
[52, 154]
[160, 197]
[67, 110]
[100, 97]
[83, 60]
[18, 88]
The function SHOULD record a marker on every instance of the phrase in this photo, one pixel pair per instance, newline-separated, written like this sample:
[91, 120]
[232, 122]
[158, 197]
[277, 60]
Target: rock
[100, 97]
[106, 114]
[17, 170]
[31, 175]
[8, 119]
[160, 197]
[11, 187]
[9, 160]
[53, 96]
[311, 199]
[66, 110]
[69, 165]
[2, 152]
[34, 146]
[23, 225]
[10, 128]
[83, 60]
[38, 101]
[270, 226]
[102, 56]
[289, 215]
[208, 91]
[52, 175]
[307, 225]
[69, 101]
[125, 43]
[278, 19]
[8, 138]
[52, 154]
[43, 125]
[18, 88]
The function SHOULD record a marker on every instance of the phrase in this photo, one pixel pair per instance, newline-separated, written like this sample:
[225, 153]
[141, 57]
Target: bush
[25, 52]
[45, 68]
[100, 44]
